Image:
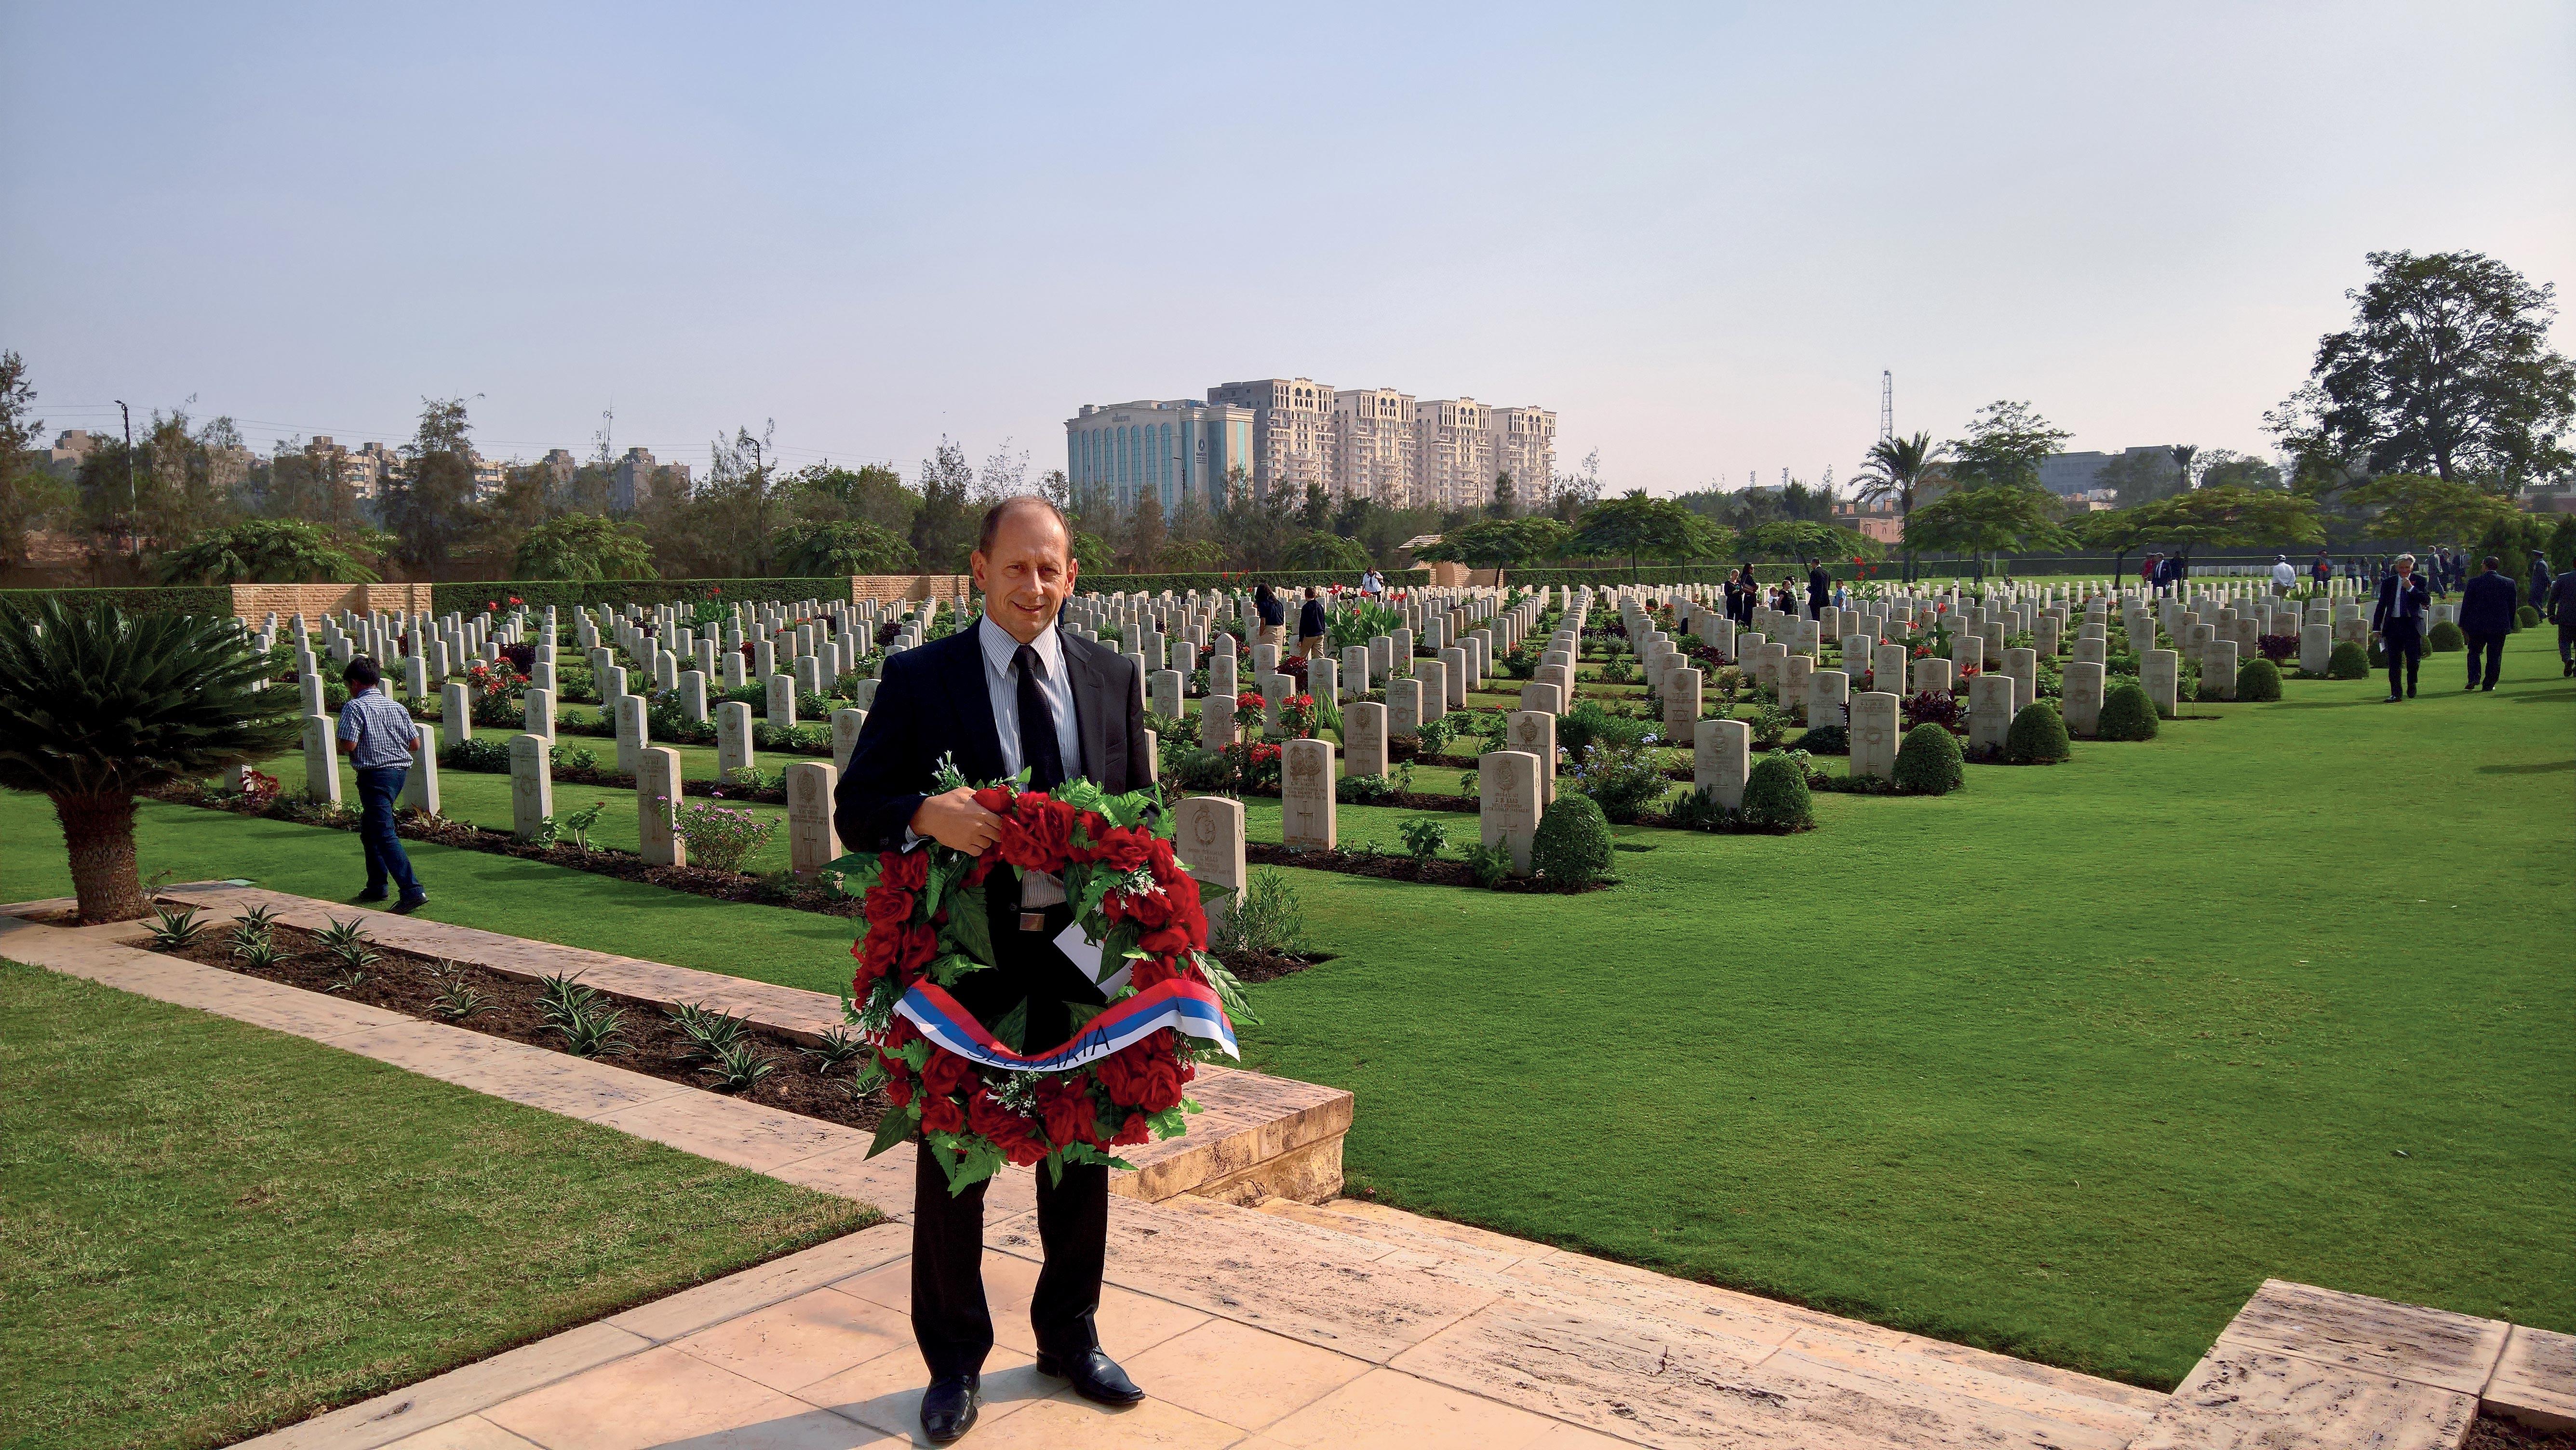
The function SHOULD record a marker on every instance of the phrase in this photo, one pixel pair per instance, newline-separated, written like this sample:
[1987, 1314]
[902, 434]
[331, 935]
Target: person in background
[2486, 617]
[2321, 570]
[2440, 573]
[2561, 604]
[2285, 576]
[1274, 615]
[1311, 626]
[2540, 579]
[2148, 568]
[378, 736]
[2399, 623]
[1820, 588]
[1372, 584]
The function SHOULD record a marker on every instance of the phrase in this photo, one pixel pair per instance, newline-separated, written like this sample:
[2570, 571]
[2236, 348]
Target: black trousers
[2405, 652]
[2492, 646]
[949, 1314]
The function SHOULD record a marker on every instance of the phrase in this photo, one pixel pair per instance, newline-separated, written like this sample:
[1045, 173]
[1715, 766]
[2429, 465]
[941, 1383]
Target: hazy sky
[1696, 232]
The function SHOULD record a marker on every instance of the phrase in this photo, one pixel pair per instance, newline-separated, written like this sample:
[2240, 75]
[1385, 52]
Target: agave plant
[96, 706]
[347, 940]
[176, 931]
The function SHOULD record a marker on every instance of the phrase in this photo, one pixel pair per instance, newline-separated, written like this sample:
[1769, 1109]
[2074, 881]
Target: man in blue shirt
[378, 737]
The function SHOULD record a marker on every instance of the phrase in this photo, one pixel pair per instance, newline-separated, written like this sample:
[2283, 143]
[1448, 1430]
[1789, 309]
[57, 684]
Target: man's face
[2405, 567]
[1027, 574]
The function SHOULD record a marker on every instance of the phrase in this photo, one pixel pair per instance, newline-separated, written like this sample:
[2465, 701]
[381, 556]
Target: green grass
[2064, 1064]
[211, 1230]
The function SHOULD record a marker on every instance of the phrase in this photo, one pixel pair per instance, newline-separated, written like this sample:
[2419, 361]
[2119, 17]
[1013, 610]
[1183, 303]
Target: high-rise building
[1292, 425]
[1123, 451]
[560, 466]
[1378, 444]
[637, 480]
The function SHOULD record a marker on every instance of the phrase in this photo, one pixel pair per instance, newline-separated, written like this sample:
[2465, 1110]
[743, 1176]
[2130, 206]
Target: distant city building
[1170, 448]
[1879, 521]
[560, 466]
[2068, 474]
[637, 480]
[63, 460]
[490, 475]
[1287, 433]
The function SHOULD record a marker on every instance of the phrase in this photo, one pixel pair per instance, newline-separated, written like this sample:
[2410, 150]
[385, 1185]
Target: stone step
[1665, 1361]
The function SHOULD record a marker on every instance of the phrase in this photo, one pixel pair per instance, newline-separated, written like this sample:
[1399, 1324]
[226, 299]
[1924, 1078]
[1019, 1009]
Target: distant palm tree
[2183, 454]
[1898, 468]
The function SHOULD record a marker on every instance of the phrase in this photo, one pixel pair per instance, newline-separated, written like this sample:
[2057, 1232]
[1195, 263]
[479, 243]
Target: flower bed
[646, 1039]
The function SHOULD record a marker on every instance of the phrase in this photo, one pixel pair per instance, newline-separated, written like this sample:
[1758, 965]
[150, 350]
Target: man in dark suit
[2399, 623]
[1820, 591]
[2486, 617]
[1010, 692]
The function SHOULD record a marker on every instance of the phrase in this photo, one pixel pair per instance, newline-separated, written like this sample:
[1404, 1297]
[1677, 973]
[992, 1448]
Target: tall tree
[1145, 533]
[2420, 508]
[2005, 443]
[943, 528]
[1317, 513]
[2446, 370]
[843, 546]
[1997, 518]
[2183, 454]
[2224, 517]
[1900, 469]
[1634, 526]
[2140, 476]
[1505, 504]
[582, 547]
[430, 506]
[272, 551]
[28, 493]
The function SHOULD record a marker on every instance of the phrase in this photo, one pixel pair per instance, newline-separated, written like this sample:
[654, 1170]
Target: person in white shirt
[2284, 574]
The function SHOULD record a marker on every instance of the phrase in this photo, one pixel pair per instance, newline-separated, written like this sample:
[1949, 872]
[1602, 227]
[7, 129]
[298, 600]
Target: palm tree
[2183, 454]
[95, 707]
[1898, 468]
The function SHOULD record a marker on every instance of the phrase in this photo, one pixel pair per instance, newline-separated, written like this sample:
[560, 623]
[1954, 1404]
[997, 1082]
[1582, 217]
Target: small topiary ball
[2037, 736]
[1776, 795]
[1826, 740]
[1572, 844]
[1929, 763]
[2445, 637]
[2526, 617]
[2127, 714]
[2259, 680]
[2348, 662]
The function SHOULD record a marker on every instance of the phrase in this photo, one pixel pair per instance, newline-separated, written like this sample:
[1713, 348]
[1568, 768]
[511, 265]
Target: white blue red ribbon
[1190, 1008]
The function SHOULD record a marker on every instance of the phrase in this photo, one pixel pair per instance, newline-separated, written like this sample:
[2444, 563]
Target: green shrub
[2445, 638]
[2259, 680]
[2348, 662]
[1826, 740]
[1928, 761]
[1572, 846]
[2037, 736]
[2524, 618]
[2127, 714]
[489, 756]
[1622, 780]
[1268, 917]
[1490, 866]
[1204, 770]
[1776, 795]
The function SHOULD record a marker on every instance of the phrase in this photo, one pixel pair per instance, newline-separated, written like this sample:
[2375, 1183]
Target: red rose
[898, 1089]
[995, 798]
[1036, 836]
[1067, 1109]
[1013, 1134]
[1123, 848]
[886, 906]
[1143, 1075]
[941, 1115]
[946, 1072]
[905, 870]
[1134, 1130]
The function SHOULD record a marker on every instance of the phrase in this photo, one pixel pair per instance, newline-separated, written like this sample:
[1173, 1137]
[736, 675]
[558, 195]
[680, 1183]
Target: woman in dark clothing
[1310, 626]
[1274, 615]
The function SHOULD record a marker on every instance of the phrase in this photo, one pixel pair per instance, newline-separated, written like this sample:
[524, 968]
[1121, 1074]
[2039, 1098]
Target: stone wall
[909, 588]
[253, 603]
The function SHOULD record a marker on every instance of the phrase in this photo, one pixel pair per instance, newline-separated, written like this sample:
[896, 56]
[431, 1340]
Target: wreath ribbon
[1190, 1007]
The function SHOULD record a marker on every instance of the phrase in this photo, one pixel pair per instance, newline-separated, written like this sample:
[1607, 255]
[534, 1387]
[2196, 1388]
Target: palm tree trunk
[98, 834]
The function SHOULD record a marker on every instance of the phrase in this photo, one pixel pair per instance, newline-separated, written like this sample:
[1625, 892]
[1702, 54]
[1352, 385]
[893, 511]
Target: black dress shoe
[365, 896]
[948, 1406]
[1096, 1377]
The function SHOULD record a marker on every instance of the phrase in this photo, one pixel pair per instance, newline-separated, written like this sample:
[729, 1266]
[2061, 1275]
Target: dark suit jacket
[932, 700]
[2419, 598]
[1819, 587]
[2487, 603]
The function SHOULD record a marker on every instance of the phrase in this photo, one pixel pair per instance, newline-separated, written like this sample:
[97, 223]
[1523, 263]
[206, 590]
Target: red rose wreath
[975, 1096]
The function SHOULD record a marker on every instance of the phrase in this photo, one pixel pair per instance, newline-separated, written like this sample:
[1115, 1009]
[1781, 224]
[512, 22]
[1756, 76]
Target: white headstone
[455, 716]
[1207, 832]
[1364, 738]
[1721, 760]
[322, 758]
[812, 843]
[733, 739]
[1874, 734]
[420, 786]
[1533, 733]
[1507, 802]
[1306, 795]
[532, 785]
[657, 803]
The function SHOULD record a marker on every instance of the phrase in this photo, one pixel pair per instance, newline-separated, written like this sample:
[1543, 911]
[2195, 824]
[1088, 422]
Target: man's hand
[955, 821]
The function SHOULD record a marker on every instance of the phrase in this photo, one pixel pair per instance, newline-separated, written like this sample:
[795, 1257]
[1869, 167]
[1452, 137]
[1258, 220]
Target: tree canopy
[2446, 370]
[1635, 526]
[1500, 543]
[2416, 506]
[1317, 549]
[1807, 541]
[2225, 515]
[269, 551]
[1998, 518]
[843, 546]
[2005, 443]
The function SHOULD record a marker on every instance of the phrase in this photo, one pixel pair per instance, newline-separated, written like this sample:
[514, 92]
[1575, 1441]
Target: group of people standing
[1745, 593]
[2488, 601]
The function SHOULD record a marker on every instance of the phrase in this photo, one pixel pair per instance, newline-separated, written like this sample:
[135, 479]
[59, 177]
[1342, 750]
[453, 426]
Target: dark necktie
[1037, 725]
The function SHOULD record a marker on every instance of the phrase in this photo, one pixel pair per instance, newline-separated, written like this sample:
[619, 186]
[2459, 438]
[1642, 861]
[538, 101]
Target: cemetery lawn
[2063, 1065]
[211, 1229]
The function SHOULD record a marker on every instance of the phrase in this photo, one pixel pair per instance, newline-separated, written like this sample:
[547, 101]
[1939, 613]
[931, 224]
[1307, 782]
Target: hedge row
[617, 593]
[1242, 579]
[191, 599]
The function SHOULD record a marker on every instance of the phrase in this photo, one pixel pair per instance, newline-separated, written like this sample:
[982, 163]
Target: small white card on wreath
[1084, 953]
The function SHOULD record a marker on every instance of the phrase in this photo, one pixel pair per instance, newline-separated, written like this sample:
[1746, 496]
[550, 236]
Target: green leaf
[1229, 991]
[1014, 1026]
[945, 970]
[896, 1127]
[1120, 944]
[975, 1160]
[1082, 1013]
[859, 871]
[969, 928]
[946, 867]
[1169, 1123]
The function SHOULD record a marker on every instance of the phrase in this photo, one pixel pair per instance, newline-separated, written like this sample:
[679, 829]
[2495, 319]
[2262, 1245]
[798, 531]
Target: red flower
[995, 798]
[1134, 1130]
[514, 599]
[1013, 1134]
[1122, 847]
[946, 1072]
[941, 1114]
[898, 1088]
[1066, 1106]
[1038, 834]
[905, 870]
[1144, 1075]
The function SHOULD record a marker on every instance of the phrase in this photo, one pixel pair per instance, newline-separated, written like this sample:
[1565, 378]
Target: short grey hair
[2405, 558]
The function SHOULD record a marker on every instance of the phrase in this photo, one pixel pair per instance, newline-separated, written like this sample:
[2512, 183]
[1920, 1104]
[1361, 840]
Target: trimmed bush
[1928, 762]
[2258, 681]
[1572, 845]
[1776, 795]
[536, 594]
[2524, 618]
[1244, 580]
[2037, 736]
[2445, 638]
[2348, 662]
[18, 606]
[1826, 740]
[2127, 714]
